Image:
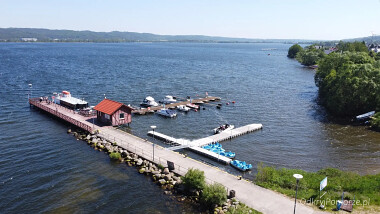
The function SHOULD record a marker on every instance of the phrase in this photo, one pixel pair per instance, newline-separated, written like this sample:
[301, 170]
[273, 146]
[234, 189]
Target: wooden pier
[63, 113]
[143, 111]
[197, 144]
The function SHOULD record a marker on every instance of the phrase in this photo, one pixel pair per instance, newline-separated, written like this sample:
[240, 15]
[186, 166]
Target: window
[107, 116]
[121, 116]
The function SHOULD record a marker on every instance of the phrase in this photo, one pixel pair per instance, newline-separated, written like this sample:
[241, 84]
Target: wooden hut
[113, 113]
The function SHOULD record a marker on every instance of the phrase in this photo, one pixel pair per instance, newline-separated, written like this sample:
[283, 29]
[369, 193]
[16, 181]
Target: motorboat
[167, 113]
[192, 105]
[223, 128]
[183, 108]
[241, 165]
[168, 99]
[149, 102]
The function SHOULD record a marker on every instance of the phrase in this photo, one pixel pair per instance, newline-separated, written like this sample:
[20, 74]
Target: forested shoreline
[348, 77]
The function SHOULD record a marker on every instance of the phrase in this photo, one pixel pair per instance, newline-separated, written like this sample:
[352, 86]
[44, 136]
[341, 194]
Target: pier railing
[36, 102]
[148, 155]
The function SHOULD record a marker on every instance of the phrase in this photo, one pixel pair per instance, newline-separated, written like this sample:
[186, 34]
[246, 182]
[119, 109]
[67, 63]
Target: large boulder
[166, 171]
[162, 181]
[139, 162]
[167, 177]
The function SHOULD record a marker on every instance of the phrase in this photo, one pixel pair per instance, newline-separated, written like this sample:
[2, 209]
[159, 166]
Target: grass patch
[364, 188]
[242, 209]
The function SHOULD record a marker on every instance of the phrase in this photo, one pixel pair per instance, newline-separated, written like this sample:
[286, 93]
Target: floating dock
[173, 105]
[226, 135]
[196, 145]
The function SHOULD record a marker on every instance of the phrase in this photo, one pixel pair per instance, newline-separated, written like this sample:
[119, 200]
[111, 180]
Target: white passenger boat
[183, 108]
[65, 99]
[167, 113]
[223, 128]
[149, 102]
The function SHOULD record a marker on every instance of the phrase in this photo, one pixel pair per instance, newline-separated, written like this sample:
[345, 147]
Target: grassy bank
[365, 189]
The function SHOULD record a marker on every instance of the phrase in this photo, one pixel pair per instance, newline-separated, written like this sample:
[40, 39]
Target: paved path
[261, 199]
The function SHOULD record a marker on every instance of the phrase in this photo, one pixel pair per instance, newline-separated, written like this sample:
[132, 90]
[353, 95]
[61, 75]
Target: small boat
[217, 148]
[365, 116]
[148, 102]
[183, 108]
[223, 128]
[168, 99]
[167, 113]
[241, 165]
[192, 105]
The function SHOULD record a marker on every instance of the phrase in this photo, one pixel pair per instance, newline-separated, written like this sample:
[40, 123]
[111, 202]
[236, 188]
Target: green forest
[348, 78]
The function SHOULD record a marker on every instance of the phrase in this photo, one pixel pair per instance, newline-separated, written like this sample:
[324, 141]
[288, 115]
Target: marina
[153, 108]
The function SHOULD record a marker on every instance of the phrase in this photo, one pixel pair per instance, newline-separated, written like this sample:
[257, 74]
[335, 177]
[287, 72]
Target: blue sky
[268, 19]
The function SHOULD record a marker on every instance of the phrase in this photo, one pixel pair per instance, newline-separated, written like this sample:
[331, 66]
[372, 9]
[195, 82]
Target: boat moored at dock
[183, 108]
[168, 99]
[192, 105]
[65, 99]
[149, 102]
[223, 128]
[241, 165]
[167, 113]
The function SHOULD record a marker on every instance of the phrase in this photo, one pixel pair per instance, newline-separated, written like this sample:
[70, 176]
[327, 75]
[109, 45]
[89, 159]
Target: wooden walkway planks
[63, 113]
[205, 99]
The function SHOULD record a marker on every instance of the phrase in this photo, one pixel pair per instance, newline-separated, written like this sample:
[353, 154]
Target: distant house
[330, 50]
[113, 113]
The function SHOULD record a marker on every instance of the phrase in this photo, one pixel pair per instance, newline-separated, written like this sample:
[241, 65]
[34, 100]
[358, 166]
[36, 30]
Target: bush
[115, 155]
[194, 180]
[213, 194]
[375, 122]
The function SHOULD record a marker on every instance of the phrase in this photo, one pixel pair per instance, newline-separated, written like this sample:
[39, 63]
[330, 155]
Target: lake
[43, 169]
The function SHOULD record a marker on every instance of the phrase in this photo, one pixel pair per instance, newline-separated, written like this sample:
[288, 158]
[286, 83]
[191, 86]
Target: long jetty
[259, 198]
[143, 111]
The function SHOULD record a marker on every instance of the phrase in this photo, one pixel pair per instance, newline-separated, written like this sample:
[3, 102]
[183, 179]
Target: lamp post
[298, 177]
[153, 127]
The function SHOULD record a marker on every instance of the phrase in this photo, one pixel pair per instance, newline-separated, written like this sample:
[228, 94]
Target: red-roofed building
[113, 113]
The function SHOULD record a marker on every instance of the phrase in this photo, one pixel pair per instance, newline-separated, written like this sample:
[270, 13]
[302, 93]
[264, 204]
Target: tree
[349, 83]
[293, 50]
[310, 56]
[194, 179]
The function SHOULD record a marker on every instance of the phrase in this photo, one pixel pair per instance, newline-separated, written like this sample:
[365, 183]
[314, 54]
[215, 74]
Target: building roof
[109, 106]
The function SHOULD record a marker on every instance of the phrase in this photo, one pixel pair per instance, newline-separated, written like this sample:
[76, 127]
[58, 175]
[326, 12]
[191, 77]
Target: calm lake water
[42, 169]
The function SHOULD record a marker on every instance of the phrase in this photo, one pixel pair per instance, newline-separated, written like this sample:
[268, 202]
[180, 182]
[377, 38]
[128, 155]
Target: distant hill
[46, 35]
[368, 39]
